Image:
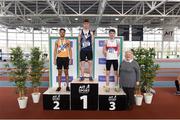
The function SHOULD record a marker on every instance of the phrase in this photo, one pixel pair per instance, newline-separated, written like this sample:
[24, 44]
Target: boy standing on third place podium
[111, 51]
[62, 57]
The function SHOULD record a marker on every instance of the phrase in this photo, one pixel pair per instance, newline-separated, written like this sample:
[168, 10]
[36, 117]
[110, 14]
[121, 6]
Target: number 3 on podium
[112, 106]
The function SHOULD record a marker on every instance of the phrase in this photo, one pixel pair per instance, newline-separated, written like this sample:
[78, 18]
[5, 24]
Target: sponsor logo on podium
[84, 89]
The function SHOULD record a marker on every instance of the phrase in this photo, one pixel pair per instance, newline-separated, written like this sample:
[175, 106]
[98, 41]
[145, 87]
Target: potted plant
[138, 96]
[19, 74]
[146, 60]
[36, 62]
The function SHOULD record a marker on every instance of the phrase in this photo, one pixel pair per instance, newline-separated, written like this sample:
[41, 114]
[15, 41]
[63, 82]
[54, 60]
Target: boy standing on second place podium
[62, 57]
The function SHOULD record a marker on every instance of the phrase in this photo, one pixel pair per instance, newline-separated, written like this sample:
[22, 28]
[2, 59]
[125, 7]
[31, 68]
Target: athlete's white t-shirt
[112, 49]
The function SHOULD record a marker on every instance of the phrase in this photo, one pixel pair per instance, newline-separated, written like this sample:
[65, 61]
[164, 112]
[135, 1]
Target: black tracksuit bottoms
[130, 96]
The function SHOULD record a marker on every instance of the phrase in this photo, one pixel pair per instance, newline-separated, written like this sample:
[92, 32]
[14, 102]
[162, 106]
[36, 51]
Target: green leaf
[145, 58]
[19, 74]
[36, 64]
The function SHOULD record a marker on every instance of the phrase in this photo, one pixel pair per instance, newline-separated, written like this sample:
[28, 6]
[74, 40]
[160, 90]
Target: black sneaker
[177, 93]
[67, 89]
[90, 79]
[58, 89]
[81, 78]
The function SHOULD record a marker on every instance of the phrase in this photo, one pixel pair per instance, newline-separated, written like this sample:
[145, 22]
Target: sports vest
[112, 50]
[86, 41]
[62, 49]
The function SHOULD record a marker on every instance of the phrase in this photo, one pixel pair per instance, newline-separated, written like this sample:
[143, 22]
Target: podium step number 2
[53, 100]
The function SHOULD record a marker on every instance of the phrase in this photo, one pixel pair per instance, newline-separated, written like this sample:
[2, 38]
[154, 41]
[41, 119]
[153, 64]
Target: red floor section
[165, 78]
[165, 105]
[5, 78]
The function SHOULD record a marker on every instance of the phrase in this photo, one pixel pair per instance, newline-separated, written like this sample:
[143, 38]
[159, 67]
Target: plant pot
[36, 97]
[22, 102]
[148, 98]
[138, 99]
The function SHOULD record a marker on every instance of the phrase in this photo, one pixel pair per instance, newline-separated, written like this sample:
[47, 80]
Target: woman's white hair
[128, 51]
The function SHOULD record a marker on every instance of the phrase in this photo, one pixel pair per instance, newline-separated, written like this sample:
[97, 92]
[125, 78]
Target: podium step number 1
[84, 95]
[84, 99]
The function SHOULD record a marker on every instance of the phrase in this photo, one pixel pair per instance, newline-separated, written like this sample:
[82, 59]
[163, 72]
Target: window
[29, 36]
[2, 35]
[12, 36]
[20, 37]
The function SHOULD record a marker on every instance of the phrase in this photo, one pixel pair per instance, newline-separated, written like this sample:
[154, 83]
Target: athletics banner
[123, 30]
[168, 34]
[137, 32]
[99, 61]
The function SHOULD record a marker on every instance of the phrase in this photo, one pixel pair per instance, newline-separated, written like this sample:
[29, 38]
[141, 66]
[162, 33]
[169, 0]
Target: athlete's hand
[105, 53]
[55, 62]
[118, 53]
[70, 61]
[59, 51]
[137, 83]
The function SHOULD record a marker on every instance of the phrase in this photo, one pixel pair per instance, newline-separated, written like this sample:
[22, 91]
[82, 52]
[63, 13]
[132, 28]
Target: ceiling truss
[101, 13]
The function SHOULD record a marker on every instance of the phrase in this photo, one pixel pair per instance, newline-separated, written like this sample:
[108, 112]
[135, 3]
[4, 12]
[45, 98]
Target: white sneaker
[106, 88]
[116, 88]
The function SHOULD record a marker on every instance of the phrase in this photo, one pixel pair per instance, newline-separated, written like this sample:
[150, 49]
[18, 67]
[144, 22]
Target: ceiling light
[162, 19]
[116, 19]
[29, 19]
[76, 19]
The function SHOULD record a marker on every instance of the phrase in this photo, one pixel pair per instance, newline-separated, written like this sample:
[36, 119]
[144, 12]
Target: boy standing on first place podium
[85, 40]
[62, 57]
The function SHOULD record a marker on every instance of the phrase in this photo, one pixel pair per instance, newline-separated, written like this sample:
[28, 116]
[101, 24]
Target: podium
[84, 95]
[53, 100]
[112, 101]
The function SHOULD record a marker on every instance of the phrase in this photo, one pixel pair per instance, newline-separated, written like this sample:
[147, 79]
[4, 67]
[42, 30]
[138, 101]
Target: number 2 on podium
[84, 99]
[56, 107]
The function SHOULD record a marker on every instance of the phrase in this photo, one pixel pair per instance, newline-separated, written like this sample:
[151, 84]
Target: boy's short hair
[62, 30]
[112, 30]
[86, 20]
